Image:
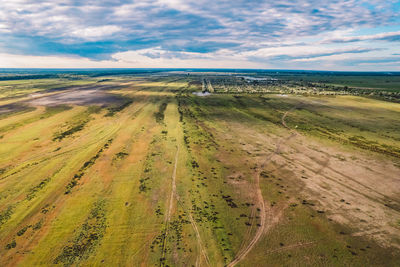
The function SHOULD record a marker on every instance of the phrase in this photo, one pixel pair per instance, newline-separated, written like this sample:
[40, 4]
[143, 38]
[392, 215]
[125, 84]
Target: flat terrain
[137, 170]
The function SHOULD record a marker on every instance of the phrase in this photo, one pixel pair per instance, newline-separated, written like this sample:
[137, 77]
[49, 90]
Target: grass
[88, 237]
[84, 185]
[36, 188]
[111, 111]
[22, 88]
[378, 82]
[6, 214]
[78, 176]
[159, 115]
[76, 124]
[39, 115]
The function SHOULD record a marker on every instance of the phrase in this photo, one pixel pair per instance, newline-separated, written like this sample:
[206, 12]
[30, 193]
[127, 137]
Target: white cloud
[26, 61]
[4, 28]
[242, 33]
[262, 19]
[378, 36]
[95, 33]
[144, 58]
[302, 51]
[157, 57]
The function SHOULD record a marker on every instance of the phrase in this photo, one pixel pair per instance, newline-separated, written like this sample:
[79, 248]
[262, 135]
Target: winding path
[243, 253]
[263, 227]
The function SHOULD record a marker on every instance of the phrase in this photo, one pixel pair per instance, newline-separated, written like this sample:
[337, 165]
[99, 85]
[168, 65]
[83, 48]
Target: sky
[343, 35]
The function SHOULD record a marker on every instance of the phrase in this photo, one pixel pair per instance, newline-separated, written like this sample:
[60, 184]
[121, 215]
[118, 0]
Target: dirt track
[193, 223]
[263, 214]
[199, 242]
[242, 254]
[170, 206]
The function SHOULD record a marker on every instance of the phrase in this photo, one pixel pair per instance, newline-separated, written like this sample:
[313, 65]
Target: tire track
[170, 207]
[242, 254]
[263, 227]
[199, 242]
[192, 221]
[298, 245]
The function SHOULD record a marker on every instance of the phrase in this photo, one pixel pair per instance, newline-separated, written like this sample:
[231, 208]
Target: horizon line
[216, 69]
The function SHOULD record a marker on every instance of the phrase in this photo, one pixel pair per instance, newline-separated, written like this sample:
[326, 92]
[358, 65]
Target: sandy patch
[76, 97]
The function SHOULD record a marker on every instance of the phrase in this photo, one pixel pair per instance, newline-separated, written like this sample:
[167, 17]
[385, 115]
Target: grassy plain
[164, 177]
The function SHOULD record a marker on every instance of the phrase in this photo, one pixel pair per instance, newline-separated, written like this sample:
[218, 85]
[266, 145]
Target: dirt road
[170, 207]
[263, 227]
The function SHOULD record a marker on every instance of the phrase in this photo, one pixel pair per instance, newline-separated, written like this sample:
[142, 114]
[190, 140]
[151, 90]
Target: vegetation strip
[76, 124]
[111, 111]
[85, 166]
[89, 236]
[160, 114]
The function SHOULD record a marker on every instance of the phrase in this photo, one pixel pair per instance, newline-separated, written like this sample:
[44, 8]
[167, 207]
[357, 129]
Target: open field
[136, 170]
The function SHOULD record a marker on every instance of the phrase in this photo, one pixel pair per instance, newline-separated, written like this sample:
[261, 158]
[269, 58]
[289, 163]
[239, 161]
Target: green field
[136, 170]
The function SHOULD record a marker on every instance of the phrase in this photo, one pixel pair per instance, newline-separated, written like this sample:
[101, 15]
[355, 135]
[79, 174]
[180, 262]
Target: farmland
[133, 169]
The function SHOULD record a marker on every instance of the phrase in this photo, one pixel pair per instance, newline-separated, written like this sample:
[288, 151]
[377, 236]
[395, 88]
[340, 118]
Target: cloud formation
[266, 34]
[387, 36]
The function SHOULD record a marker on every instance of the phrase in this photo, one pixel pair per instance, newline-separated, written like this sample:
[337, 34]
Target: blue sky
[298, 34]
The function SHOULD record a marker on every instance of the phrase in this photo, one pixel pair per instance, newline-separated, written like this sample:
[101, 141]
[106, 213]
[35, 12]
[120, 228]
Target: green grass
[111, 111]
[159, 115]
[75, 179]
[377, 82]
[87, 238]
[49, 111]
[21, 88]
[88, 186]
[76, 124]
